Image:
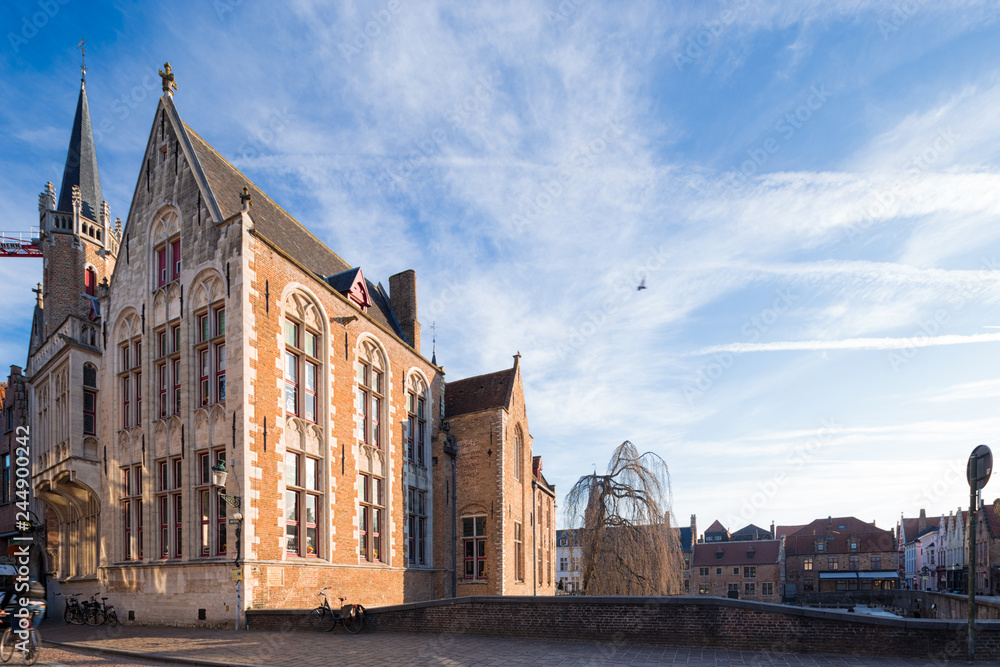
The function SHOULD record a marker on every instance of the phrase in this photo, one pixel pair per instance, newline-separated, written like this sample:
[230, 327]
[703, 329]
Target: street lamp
[219, 474]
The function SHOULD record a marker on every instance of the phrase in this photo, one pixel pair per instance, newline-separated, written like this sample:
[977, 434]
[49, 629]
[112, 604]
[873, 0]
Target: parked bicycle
[99, 613]
[324, 618]
[12, 640]
[73, 613]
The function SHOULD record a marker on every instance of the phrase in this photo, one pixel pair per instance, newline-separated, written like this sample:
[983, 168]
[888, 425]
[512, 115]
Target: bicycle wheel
[354, 621]
[68, 613]
[321, 619]
[7, 645]
[112, 618]
[76, 616]
[34, 648]
[94, 617]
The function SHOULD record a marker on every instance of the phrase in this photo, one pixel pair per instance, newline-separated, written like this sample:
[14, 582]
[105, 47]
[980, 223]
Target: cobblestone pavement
[304, 649]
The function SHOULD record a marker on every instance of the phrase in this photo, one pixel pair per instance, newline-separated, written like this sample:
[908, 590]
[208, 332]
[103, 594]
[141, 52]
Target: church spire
[81, 164]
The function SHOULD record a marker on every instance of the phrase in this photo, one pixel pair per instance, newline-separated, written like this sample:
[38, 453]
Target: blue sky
[809, 189]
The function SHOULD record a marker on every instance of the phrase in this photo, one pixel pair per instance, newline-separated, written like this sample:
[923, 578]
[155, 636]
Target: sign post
[978, 473]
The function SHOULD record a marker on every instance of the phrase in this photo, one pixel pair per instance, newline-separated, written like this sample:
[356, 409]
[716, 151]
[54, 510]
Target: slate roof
[481, 392]
[751, 532]
[685, 538]
[81, 164]
[735, 553]
[276, 225]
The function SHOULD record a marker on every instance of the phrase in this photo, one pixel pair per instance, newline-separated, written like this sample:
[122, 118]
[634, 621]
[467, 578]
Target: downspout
[452, 450]
[534, 541]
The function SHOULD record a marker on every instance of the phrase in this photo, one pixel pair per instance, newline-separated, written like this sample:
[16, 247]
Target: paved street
[299, 649]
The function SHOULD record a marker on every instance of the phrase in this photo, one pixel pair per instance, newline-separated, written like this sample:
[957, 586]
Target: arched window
[518, 452]
[371, 395]
[302, 369]
[416, 421]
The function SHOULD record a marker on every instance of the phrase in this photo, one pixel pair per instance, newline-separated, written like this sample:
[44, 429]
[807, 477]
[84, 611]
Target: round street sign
[980, 467]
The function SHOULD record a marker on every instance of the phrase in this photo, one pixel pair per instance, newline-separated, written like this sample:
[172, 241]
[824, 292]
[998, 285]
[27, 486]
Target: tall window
[211, 509]
[416, 426]
[168, 262]
[853, 562]
[474, 546]
[90, 399]
[833, 563]
[518, 453]
[302, 504]
[369, 401]
[877, 562]
[210, 355]
[168, 370]
[131, 507]
[371, 508]
[89, 281]
[129, 382]
[168, 504]
[807, 564]
[5, 478]
[416, 504]
[519, 554]
[302, 350]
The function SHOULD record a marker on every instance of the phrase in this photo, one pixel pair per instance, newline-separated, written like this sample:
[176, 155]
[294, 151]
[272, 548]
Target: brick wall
[677, 621]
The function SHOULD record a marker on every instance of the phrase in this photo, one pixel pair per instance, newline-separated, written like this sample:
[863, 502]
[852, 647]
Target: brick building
[505, 509]
[751, 570]
[840, 554]
[226, 414]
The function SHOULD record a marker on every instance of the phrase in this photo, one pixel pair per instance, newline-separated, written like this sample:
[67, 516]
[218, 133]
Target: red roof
[735, 553]
[786, 530]
[716, 527]
[835, 538]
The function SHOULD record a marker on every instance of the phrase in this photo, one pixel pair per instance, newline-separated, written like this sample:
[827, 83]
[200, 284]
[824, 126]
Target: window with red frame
[168, 262]
[131, 508]
[416, 525]
[369, 403]
[474, 546]
[302, 371]
[211, 508]
[89, 281]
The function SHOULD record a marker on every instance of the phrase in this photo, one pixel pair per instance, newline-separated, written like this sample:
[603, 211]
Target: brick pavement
[306, 649]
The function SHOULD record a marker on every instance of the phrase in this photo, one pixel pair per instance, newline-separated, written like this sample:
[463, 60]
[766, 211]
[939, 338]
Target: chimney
[403, 301]
[922, 523]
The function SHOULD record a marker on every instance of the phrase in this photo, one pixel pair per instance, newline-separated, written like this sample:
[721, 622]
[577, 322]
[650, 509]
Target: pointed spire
[81, 164]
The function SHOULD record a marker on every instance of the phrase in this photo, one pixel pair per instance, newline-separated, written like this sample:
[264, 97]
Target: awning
[850, 574]
[858, 574]
[878, 575]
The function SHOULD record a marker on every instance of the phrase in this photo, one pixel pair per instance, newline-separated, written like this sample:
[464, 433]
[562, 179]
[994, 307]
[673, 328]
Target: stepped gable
[481, 392]
[276, 225]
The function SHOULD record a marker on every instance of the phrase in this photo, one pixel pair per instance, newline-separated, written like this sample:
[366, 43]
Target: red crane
[20, 244]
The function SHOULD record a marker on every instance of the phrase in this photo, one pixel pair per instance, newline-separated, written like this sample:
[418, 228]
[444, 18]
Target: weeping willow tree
[623, 526]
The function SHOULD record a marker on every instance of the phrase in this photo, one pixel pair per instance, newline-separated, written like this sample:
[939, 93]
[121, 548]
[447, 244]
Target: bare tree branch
[623, 522]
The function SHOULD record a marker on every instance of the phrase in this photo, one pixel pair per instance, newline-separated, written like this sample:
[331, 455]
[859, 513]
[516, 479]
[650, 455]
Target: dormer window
[352, 284]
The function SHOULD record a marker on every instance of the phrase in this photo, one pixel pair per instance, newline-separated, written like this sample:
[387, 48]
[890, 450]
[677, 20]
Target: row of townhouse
[224, 414]
[936, 550]
[835, 554]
